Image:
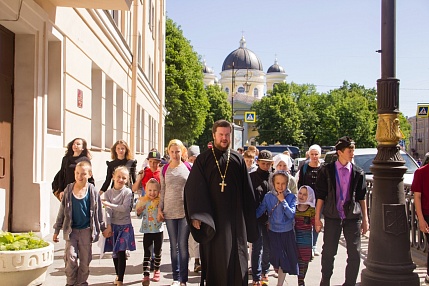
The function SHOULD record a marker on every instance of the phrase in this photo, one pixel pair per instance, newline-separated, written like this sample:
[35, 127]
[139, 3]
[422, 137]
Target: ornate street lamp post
[232, 92]
[389, 258]
[246, 85]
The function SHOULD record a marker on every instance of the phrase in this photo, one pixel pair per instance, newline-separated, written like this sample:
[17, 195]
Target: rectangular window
[139, 48]
[108, 114]
[151, 15]
[97, 83]
[120, 114]
[55, 85]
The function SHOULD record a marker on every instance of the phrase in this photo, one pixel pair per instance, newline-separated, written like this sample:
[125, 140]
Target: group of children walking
[285, 222]
[82, 220]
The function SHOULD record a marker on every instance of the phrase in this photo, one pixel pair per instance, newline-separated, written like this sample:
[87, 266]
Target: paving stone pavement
[102, 270]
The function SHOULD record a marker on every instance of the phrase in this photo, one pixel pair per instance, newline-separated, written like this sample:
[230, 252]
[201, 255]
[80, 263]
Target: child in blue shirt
[147, 210]
[81, 218]
[280, 204]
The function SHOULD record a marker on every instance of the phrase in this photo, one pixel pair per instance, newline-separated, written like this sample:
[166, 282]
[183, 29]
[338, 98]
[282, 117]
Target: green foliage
[405, 128]
[20, 241]
[299, 115]
[219, 108]
[278, 117]
[356, 110]
[185, 97]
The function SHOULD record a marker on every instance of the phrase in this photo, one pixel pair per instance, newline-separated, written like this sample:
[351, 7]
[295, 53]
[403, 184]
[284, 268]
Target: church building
[245, 81]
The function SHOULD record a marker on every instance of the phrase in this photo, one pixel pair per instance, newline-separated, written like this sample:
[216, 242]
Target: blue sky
[317, 42]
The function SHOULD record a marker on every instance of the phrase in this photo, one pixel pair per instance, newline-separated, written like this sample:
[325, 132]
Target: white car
[364, 157]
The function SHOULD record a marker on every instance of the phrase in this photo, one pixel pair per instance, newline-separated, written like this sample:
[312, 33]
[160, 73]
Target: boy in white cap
[193, 152]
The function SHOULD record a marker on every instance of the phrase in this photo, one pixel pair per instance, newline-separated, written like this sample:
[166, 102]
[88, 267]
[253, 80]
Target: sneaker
[156, 276]
[175, 283]
[146, 281]
[427, 279]
[197, 267]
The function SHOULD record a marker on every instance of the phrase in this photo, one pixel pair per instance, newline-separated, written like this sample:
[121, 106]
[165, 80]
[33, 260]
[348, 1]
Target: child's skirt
[283, 251]
[122, 239]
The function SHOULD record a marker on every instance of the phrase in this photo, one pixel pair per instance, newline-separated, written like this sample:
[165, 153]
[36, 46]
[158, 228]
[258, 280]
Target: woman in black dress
[76, 152]
[122, 156]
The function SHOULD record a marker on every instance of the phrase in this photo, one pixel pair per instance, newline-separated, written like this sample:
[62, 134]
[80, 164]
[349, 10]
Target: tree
[185, 97]
[306, 97]
[405, 128]
[278, 117]
[219, 108]
[356, 113]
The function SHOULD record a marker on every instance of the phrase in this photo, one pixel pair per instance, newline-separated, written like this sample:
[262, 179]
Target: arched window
[226, 90]
[255, 92]
[241, 89]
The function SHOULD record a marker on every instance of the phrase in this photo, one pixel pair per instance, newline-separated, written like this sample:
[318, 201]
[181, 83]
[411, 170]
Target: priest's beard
[218, 146]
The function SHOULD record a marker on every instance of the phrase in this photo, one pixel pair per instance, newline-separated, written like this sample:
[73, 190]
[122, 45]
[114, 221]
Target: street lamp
[389, 259]
[246, 85]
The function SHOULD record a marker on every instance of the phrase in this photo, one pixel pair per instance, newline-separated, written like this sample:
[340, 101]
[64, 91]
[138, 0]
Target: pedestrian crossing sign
[422, 111]
[250, 116]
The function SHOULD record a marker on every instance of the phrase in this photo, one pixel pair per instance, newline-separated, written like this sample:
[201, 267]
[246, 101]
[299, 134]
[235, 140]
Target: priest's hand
[196, 223]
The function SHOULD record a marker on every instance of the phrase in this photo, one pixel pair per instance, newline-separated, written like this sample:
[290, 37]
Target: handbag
[56, 185]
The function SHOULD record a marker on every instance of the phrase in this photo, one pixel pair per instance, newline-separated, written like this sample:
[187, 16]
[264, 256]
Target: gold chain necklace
[222, 185]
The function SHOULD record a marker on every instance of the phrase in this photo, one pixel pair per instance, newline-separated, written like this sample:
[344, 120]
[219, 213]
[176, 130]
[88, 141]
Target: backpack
[164, 168]
[304, 168]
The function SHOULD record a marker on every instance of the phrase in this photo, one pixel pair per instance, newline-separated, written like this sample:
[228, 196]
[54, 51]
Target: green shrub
[20, 241]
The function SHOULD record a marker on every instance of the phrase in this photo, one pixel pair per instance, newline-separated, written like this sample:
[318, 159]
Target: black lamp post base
[369, 278]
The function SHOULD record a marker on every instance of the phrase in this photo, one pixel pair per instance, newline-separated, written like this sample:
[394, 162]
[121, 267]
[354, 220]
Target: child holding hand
[147, 210]
[280, 204]
[304, 223]
[81, 218]
[119, 232]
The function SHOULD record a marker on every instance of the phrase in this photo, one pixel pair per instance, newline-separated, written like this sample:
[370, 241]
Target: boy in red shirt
[152, 171]
[420, 188]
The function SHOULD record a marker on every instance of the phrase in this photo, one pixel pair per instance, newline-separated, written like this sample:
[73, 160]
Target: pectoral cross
[222, 186]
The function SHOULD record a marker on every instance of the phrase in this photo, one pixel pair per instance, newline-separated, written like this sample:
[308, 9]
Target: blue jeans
[178, 233]
[260, 253]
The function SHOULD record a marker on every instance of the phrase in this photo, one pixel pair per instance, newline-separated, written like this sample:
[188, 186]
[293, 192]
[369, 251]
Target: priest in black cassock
[221, 211]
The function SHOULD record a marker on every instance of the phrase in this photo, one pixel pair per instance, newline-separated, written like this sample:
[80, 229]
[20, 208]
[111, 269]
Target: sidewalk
[102, 270]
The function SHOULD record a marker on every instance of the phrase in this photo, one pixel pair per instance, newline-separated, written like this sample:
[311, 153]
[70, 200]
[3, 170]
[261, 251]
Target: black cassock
[228, 219]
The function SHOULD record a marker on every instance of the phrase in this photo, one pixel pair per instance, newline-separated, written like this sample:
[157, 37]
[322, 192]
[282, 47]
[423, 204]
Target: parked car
[364, 157]
[276, 149]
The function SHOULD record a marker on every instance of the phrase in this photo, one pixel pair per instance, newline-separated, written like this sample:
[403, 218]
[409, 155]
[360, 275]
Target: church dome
[242, 58]
[276, 68]
[206, 69]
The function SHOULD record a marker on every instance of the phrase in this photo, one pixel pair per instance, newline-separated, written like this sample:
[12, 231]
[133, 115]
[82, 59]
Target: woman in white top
[171, 208]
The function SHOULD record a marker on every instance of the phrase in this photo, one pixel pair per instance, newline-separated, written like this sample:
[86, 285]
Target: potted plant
[24, 258]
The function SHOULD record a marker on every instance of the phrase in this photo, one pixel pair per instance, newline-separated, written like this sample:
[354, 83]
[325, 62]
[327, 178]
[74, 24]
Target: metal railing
[417, 238]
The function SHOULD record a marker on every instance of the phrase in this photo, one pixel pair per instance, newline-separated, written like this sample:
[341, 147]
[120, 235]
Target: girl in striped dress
[304, 222]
